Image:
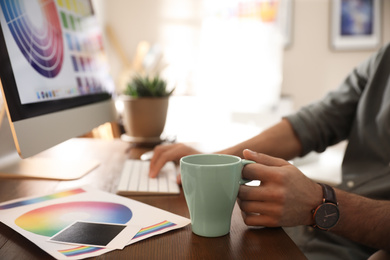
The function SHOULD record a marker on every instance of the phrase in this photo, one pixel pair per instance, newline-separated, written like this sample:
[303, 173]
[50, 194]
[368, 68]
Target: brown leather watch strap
[329, 194]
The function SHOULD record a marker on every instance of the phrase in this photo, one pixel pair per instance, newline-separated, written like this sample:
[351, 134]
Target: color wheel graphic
[39, 39]
[49, 220]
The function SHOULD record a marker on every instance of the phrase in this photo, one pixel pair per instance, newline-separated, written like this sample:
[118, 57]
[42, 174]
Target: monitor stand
[36, 167]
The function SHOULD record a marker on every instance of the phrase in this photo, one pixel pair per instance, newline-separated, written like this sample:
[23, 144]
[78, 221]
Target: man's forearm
[278, 140]
[364, 220]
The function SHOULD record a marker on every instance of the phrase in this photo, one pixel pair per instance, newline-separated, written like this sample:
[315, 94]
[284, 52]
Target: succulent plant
[147, 86]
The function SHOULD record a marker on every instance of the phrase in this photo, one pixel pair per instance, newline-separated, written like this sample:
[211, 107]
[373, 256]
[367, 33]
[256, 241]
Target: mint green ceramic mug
[210, 184]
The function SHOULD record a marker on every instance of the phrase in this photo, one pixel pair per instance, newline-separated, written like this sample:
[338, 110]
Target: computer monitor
[55, 83]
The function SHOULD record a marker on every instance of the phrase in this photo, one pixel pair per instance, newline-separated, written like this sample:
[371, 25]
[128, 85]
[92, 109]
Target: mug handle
[245, 162]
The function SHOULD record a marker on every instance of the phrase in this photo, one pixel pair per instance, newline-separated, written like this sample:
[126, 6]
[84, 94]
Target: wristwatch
[327, 214]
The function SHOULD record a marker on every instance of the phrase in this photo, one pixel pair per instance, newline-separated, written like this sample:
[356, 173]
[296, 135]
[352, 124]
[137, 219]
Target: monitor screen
[54, 74]
[54, 52]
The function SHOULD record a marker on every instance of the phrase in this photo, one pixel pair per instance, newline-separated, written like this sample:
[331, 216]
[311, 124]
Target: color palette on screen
[38, 37]
[82, 44]
[49, 220]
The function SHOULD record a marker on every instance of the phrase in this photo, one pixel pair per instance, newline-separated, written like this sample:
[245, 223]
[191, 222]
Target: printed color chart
[85, 222]
[47, 221]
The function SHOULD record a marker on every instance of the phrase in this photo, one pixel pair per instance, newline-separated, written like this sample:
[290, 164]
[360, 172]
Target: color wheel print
[39, 37]
[49, 220]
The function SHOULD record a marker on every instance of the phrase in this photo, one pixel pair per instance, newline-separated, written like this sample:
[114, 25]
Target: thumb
[263, 158]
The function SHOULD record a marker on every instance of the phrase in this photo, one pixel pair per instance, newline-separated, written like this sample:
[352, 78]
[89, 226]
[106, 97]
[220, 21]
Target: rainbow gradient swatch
[40, 40]
[41, 199]
[49, 220]
[154, 228]
[77, 251]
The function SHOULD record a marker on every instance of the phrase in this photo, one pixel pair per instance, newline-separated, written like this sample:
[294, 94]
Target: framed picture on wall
[355, 24]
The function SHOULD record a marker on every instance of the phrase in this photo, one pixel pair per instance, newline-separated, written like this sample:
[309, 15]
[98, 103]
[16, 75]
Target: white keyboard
[135, 179]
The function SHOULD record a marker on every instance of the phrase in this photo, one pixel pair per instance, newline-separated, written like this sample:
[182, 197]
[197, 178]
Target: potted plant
[145, 107]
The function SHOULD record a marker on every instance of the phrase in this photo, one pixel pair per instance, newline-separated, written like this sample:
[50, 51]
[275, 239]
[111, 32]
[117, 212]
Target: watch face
[326, 215]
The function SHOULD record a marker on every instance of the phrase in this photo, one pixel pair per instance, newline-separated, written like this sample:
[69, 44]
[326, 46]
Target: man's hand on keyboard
[168, 152]
[135, 180]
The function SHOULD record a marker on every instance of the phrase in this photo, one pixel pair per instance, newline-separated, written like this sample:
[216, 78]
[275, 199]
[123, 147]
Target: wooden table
[241, 243]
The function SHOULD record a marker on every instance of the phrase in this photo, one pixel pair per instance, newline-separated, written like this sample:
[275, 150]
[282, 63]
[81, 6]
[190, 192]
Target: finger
[161, 155]
[157, 151]
[256, 171]
[166, 153]
[259, 207]
[178, 179]
[263, 158]
[263, 193]
[251, 219]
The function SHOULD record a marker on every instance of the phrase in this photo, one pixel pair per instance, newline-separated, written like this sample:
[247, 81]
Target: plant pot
[144, 118]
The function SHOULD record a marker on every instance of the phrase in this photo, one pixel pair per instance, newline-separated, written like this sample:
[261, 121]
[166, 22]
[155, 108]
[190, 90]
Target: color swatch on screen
[38, 37]
[82, 45]
[49, 220]
[41, 199]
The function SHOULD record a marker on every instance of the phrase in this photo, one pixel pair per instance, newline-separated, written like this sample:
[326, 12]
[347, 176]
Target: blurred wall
[310, 67]
[174, 24]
